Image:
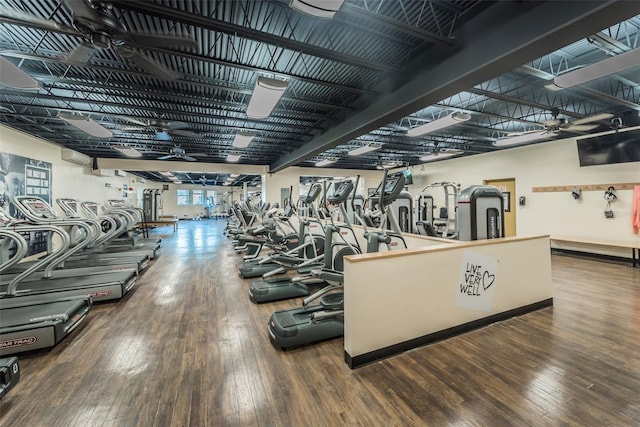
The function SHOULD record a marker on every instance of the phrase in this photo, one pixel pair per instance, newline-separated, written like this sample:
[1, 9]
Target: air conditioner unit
[103, 172]
[75, 157]
[120, 173]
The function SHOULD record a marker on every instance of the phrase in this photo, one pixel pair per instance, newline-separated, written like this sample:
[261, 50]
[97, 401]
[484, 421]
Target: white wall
[547, 164]
[291, 176]
[68, 179]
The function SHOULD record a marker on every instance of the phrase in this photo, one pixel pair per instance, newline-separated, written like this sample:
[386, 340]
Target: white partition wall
[396, 301]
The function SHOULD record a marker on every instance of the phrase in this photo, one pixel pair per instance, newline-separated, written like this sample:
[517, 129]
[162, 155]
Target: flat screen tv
[618, 147]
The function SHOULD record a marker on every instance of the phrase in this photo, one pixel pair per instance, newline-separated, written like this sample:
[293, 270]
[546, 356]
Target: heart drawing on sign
[487, 280]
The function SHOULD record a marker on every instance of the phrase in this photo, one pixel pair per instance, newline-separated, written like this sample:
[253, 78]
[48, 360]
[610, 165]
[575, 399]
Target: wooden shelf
[588, 187]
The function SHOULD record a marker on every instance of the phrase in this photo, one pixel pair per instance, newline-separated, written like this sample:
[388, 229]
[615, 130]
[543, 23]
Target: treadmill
[9, 374]
[105, 286]
[37, 323]
[66, 268]
[312, 323]
[127, 239]
[124, 257]
[279, 289]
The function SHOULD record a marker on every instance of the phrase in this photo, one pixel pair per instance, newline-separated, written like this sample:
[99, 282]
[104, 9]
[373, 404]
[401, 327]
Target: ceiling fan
[163, 128]
[179, 153]
[96, 22]
[553, 127]
[557, 124]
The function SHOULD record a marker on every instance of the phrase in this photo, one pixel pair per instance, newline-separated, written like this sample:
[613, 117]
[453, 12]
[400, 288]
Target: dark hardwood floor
[187, 347]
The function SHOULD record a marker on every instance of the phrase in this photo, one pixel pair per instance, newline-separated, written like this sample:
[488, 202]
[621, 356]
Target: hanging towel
[635, 212]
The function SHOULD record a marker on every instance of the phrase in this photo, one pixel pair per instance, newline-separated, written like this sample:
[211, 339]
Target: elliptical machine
[278, 289]
[312, 323]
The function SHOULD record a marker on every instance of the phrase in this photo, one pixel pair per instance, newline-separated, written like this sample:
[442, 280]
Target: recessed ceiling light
[243, 139]
[127, 151]
[364, 149]
[266, 94]
[325, 162]
[444, 122]
[86, 124]
[12, 76]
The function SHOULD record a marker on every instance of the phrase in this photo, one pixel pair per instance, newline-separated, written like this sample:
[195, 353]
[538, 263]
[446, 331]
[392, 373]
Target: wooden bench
[160, 223]
[635, 247]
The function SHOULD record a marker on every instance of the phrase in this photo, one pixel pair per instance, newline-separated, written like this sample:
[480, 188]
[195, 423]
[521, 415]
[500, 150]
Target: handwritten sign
[477, 282]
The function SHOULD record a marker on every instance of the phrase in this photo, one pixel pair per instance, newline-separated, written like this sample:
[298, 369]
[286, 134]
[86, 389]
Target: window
[198, 197]
[211, 198]
[183, 197]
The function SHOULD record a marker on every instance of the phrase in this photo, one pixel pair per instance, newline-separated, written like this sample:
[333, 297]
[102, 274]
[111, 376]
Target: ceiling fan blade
[526, 132]
[183, 133]
[82, 9]
[188, 158]
[21, 18]
[167, 157]
[596, 118]
[81, 54]
[580, 128]
[162, 40]
[148, 64]
[134, 120]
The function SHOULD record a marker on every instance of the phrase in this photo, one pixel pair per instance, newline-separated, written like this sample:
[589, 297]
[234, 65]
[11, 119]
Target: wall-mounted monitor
[618, 147]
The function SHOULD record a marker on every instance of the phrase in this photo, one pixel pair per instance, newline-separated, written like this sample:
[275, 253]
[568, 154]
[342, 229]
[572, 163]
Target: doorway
[508, 188]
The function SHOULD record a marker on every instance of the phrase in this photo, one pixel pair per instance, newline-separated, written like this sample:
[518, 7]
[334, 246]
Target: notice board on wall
[19, 176]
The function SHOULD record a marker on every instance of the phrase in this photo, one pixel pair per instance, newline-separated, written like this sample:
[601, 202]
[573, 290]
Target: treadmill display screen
[39, 208]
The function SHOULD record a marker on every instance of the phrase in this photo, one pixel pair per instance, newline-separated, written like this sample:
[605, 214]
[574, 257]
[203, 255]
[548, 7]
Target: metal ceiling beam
[395, 25]
[503, 37]
[153, 110]
[195, 57]
[212, 24]
[49, 81]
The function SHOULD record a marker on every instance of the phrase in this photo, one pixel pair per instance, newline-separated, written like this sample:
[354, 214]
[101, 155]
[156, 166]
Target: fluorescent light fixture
[388, 165]
[243, 139]
[317, 8]
[177, 182]
[444, 122]
[165, 173]
[127, 151]
[527, 137]
[266, 95]
[173, 178]
[612, 65]
[325, 162]
[364, 149]
[233, 157]
[234, 175]
[12, 76]
[86, 124]
[440, 155]
[226, 183]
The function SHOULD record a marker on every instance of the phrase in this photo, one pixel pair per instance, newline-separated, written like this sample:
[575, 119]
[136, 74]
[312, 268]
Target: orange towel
[635, 212]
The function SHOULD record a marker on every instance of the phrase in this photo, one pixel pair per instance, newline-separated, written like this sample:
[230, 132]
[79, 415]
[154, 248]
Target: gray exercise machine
[481, 213]
[34, 323]
[312, 323]
[286, 288]
[41, 279]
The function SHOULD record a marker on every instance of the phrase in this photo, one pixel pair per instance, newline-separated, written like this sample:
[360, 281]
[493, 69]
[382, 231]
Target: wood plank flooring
[188, 348]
